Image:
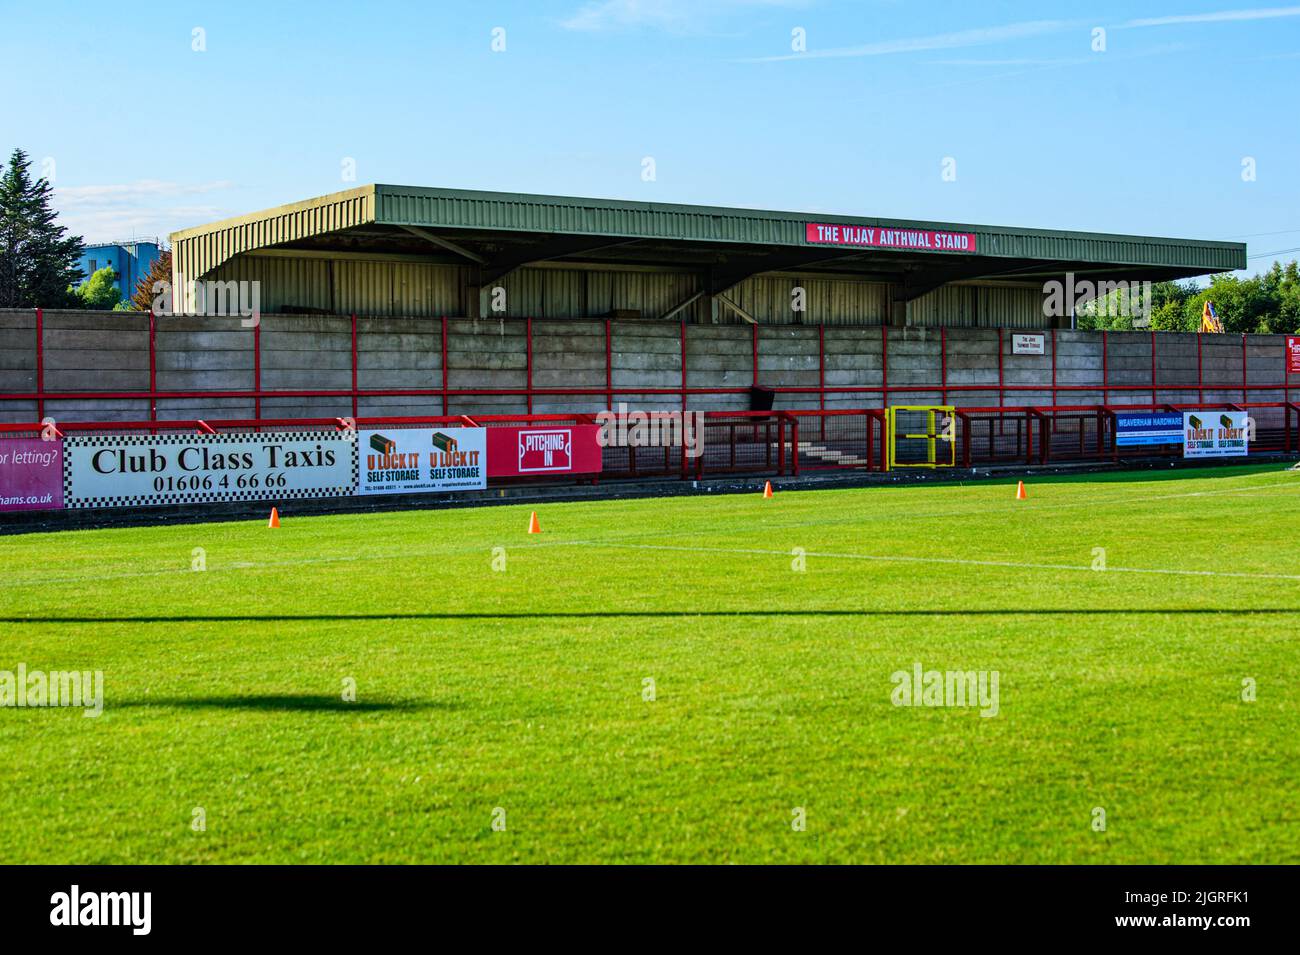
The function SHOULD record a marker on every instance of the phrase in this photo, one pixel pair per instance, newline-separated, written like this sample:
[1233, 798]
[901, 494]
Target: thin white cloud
[138, 191]
[984, 36]
[959, 39]
[1060, 61]
[116, 225]
[677, 16]
[1221, 16]
[146, 208]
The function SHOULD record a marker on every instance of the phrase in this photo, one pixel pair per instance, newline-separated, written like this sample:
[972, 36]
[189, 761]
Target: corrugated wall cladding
[770, 300]
[348, 285]
[196, 252]
[402, 288]
[979, 307]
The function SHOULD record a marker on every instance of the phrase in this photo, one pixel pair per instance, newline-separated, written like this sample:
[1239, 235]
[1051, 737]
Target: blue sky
[147, 135]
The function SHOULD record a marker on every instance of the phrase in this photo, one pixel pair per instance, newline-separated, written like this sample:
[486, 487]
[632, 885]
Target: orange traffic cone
[534, 525]
[1020, 492]
[767, 489]
[275, 518]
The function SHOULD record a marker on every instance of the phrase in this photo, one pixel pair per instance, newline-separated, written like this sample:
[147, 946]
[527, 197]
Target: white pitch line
[613, 542]
[1036, 507]
[954, 561]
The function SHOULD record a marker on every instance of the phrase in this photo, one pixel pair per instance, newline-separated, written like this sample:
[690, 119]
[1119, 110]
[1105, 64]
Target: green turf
[523, 689]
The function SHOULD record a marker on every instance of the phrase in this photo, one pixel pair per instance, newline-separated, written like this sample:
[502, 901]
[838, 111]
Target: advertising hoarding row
[415, 461]
[1202, 434]
[133, 470]
[1216, 434]
[1136, 429]
[142, 470]
[31, 474]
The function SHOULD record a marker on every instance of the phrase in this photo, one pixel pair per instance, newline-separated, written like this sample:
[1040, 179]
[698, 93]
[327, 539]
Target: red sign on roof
[874, 237]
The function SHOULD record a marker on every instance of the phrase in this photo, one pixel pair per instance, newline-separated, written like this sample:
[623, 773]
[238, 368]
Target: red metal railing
[1030, 435]
[792, 442]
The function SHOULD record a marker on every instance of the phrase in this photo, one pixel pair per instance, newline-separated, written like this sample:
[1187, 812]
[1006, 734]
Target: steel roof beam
[445, 243]
[553, 247]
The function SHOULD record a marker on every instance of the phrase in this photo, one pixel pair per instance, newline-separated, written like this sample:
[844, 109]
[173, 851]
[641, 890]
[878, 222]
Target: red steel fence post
[794, 443]
[1105, 368]
[780, 445]
[884, 366]
[943, 364]
[354, 364]
[871, 427]
[1245, 387]
[257, 370]
[821, 370]
[609, 366]
[153, 368]
[40, 364]
[1200, 371]
[1001, 394]
[528, 358]
[444, 367]
[1054, 401]
[682, 336]
[1154, 400]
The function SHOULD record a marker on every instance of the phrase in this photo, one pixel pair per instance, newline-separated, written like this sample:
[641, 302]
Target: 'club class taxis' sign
[102, 470]
[876, 237]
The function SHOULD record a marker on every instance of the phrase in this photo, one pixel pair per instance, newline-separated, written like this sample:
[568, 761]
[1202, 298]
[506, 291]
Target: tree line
[40, 262]
[1267, 303]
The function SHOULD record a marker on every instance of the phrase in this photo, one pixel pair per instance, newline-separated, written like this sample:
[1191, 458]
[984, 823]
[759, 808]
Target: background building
[401, 250]
[131, 261]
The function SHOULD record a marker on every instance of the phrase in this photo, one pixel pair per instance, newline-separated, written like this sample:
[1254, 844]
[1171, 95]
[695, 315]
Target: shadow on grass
[286, 702]
[1172, 471]
[660, 614]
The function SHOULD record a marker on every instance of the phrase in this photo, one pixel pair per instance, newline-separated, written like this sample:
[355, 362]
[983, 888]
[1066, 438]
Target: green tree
[38, 260]
[1168, 301]
[98, 291]
[1268, 303]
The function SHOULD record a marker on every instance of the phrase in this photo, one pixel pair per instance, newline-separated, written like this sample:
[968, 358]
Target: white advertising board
[422, 460]
[131, 470]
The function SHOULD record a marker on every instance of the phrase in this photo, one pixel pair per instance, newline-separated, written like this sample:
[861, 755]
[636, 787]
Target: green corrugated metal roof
[202, 249]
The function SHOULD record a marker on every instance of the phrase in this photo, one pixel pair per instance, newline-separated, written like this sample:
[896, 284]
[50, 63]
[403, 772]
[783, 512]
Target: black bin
[761, 399]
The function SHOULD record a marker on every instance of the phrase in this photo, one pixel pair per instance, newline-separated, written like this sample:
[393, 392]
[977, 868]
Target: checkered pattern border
[199, 497]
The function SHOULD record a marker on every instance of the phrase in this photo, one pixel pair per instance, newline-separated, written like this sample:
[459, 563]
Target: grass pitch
[524, 690]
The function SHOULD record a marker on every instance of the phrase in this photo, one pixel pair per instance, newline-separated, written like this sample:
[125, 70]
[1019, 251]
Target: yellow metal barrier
[940, 426]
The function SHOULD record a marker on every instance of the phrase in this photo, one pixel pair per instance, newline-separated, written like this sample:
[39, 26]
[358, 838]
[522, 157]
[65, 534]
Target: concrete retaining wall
[91, 352]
